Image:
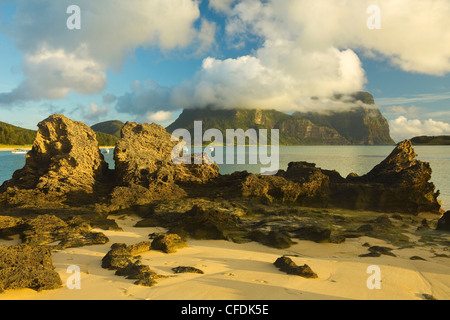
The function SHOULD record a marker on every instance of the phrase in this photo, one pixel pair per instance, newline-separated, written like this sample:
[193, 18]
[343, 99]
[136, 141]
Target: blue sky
[147, 60]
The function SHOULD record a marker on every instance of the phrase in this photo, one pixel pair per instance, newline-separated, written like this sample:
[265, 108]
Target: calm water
[344, 159]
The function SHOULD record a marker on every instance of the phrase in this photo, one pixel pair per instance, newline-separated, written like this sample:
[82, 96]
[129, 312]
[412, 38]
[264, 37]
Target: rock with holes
[65, 165]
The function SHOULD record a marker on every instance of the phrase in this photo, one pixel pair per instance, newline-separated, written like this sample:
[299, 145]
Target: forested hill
[359, 125]
[17, 136]
[431, 140]
[12, 135]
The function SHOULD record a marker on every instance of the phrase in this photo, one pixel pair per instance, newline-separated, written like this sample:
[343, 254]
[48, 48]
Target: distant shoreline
[28, 147]
[12, 147]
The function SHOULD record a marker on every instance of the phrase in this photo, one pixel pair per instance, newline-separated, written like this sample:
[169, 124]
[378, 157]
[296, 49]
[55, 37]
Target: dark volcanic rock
[287, 265]
[444, 222]
[377, 251]
[208, 224]
[25, 266]
[59, 234]
[10, 226]
[187, 270]
[274, 239]
[168, 243]
[417, 258]
[315, 184]
[140, 151]
[122, 259]
[65, 164]
[314, 233]
[302, 183]
[270, 189]
[400, 183]
[121, 255]
[145, 171]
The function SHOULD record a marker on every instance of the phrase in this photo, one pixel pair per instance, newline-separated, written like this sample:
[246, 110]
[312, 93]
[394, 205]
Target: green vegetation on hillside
[431, 140]
[106, 140]
[12, 135]
[15, 136]
[358, 125]
[109, 127]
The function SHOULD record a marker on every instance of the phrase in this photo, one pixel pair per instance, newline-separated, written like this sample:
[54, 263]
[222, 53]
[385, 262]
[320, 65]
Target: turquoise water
[344, 159]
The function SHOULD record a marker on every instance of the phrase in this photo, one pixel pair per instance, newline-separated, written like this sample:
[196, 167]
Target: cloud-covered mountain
[358, 125]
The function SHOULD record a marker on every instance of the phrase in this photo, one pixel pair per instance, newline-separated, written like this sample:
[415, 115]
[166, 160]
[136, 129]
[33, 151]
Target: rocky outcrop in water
[64, 165]
[145, 171]
[400, 183]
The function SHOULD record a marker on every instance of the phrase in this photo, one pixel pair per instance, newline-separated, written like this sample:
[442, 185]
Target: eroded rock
[187, 270]
[25, 266]
[286, 264]
[400, 183]
[145, 171]
[123, 259]
[444, 222]
[65, 165]
[168, 243]
[49, 230]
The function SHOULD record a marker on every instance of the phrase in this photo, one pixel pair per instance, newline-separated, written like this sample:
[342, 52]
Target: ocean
[344, 159]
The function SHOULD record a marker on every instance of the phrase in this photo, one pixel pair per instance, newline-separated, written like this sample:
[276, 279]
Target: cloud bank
[403, 128]
[307, 48]
[58, 61]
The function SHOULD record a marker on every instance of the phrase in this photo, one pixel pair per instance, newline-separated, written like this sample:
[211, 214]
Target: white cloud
[145, 96]
[415, 34]
[159, 116]
[412, 111]
[96, 112]
[280, 75]
[206, 36]
[308, 49]
[58, 61]
[221, 5]
[403, 128]
[419, 98]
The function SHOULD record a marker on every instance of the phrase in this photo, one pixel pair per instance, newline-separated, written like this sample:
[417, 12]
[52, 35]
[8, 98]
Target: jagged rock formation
[399, 183]
[25, 266]
[54, 232]
[168, 243]
[444, 222]
[65, 166]
[145, 171]
[122, 258]
[64, 163]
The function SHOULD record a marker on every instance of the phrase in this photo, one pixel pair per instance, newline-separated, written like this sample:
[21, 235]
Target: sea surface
[344, 159]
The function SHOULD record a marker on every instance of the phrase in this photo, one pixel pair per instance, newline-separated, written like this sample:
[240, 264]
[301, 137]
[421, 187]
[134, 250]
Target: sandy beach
[246, 272]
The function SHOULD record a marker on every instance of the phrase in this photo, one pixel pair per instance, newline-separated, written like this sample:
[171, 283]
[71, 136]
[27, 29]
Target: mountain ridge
[362, 124]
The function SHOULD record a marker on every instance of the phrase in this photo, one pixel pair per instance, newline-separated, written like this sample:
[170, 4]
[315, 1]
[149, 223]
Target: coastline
[12, 148]
[246, 271]
[28, 148]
